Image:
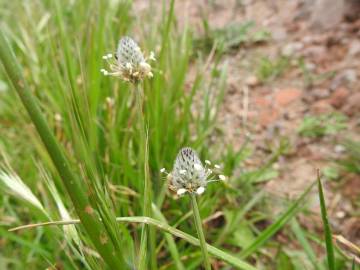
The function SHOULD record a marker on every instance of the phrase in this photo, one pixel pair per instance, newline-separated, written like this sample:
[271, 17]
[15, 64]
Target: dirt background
[326, 35]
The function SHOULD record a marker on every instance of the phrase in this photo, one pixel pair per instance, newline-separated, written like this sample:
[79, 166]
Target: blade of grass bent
[222, 255]
[74, 188]
[327, 229]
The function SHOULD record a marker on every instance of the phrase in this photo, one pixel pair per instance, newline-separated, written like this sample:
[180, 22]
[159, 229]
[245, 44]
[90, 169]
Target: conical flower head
[189, 175]
[188, 172]
[130, 64]
[129, 52]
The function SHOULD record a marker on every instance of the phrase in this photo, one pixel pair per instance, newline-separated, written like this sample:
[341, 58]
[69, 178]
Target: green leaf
[327, 229]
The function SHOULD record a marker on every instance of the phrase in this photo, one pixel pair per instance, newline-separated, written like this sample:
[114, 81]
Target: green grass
[325, 124]
[80, 147]
[269, 69]
[327, 229]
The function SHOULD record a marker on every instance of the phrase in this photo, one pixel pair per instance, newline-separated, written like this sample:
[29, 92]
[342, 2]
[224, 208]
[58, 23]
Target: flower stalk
[200, 232]
[143, 158]
[130, 65]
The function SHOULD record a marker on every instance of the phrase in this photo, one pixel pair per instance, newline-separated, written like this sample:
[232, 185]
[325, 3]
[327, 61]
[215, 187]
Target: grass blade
[327, 229]
[276, 226]
[305, 244]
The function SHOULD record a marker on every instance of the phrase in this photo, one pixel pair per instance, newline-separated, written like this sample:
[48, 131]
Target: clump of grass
[229, 37]
[268, 69]
[351, 162]
[319, 126]
[311, 79]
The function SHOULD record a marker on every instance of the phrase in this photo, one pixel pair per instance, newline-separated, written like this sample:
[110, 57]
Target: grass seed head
[189, 175]
[129, 63]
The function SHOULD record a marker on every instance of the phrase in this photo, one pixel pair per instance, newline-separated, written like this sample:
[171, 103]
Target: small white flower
[163, 170]
[189, 174]
[130, 64]
[181, 191]
[200, 190]
[152, 56]
[207, 162]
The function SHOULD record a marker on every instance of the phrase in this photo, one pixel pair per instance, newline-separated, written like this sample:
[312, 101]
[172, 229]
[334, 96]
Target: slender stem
[200, 232]
[144, 161]
[72, 183]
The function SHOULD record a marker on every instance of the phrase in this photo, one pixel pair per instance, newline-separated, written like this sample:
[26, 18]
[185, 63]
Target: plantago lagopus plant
[190, 176]
[130, 65]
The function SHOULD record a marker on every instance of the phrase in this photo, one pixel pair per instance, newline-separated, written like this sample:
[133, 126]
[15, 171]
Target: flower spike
[129, 63]
[189, 175]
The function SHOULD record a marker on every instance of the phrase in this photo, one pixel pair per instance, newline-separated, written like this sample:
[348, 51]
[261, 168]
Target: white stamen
[209, 171]
[152, 56]
[182, 171]
[181, 191]
[208, 162]
[106, 72]
[222, 177]
[109, 55]
[198, 167]
[162, 170]
[200, 190]
[105, 57]
[217, 166]
[145, 66]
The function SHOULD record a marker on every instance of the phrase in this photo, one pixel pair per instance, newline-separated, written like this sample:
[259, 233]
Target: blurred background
[270, 90]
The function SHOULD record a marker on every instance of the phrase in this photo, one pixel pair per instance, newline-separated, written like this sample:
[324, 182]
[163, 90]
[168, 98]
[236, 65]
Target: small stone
[340, 214]
[291, 48]
[252, 81]
[327, 13]
[287, 96]
[320, 93]
[268, 117]
[339, 97]
[339, 149]
[354, 48]
[321, 106]
[350, 75]
[352, 105]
